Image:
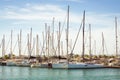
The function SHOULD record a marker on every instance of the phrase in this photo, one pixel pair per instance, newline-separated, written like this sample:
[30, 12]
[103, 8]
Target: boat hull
[10, 64]
[59, 66]
[84, 66]
[23, 65]
[76, 66]
[43, 65]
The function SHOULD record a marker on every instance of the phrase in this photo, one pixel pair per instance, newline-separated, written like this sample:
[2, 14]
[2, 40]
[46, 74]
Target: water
[26, 73]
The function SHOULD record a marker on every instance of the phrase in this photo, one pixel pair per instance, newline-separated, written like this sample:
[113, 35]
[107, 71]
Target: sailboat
[11, 62]
[66, 64]
[46, 64]
[62, 63]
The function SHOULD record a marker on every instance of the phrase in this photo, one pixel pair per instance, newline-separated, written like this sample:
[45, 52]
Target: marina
[58, 61]
[59, 41]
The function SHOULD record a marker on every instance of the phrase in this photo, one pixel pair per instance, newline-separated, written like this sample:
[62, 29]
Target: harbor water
[26, 73]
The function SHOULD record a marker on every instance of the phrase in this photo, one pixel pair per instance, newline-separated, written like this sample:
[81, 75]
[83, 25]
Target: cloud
[47, 12]
[32, 14]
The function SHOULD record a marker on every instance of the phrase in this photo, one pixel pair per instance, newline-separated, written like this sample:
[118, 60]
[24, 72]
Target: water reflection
[18, 73]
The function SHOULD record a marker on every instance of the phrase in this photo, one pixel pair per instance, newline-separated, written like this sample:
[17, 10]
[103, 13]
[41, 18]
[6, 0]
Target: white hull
[76, 66]
[10, 64]
[40, 65]
[60, 66]
[24, 63]
[84, 66]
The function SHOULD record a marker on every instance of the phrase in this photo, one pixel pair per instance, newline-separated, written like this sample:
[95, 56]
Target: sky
[26, 14]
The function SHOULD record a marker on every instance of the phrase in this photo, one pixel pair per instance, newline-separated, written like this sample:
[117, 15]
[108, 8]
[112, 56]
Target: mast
[67, 32]
[53, 37]
[48, 42]
[11, 53]
[37, 45]
[59, 40]
[3, 46]
[62, 48]
[116, 36]
[103, 46]
[83, 45]
[28, 45]
[90, 42]
[19, 42]
[43, 44]
[30, 42]
[19, 45]
[46, 38]
[95, 47]
[33, 47]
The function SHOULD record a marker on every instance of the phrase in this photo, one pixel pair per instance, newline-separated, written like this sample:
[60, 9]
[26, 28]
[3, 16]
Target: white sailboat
[64, 65]
[10, 62]
[74, 65]
[46, 64]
